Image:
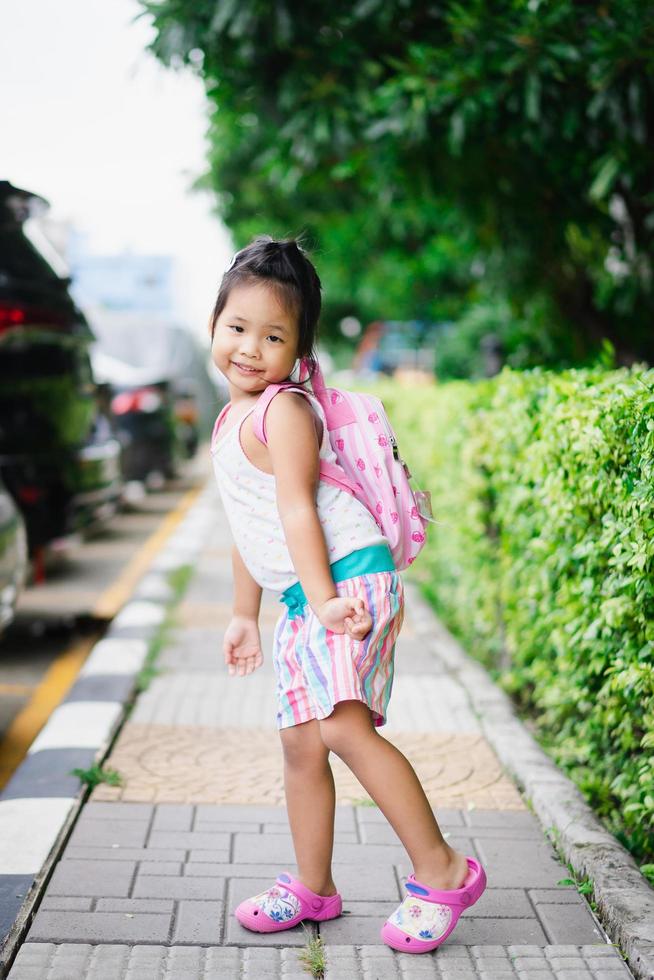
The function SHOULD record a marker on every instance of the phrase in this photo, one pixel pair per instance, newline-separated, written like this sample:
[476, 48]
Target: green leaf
[605, 178]
[224, 12]
[532, 97]
[457, 132]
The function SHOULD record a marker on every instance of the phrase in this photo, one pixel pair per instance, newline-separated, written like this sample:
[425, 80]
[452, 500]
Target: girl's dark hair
[284, 266]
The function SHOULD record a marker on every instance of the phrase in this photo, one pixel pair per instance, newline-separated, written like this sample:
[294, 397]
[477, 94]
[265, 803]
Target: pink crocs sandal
[286, 904]
[427, 916]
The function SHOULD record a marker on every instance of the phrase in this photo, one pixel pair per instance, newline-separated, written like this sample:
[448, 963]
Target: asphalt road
[58, 621]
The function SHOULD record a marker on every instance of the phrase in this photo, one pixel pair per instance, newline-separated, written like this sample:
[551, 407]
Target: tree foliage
[435, 152]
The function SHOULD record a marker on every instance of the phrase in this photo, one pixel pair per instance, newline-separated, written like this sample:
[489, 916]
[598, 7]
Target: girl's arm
[247, 592]
[242, 641]
[294, 457]
[295, 461]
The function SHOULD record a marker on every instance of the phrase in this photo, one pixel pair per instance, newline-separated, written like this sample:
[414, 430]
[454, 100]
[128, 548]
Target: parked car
[13, 556]
[187, 416]
[145, 428]
[142, 409]
[58, 457]
[138, 349]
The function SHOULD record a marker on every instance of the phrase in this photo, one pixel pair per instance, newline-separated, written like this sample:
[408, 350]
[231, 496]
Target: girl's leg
[391, 781]
[310, 801]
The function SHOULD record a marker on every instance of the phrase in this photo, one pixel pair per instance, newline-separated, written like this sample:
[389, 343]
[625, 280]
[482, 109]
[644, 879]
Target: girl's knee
[303, 746]
[348, 726]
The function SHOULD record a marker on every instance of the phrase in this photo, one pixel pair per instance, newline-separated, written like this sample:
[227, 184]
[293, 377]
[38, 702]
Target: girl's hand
[242, 646]
[343, 614]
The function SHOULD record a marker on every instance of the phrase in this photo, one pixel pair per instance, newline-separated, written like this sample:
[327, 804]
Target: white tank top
[250, 501]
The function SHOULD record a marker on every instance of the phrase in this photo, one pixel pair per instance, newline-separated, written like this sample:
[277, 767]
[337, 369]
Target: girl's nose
[249, 347]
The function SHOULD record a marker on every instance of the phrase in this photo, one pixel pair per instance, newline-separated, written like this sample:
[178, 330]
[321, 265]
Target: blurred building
[126, 281]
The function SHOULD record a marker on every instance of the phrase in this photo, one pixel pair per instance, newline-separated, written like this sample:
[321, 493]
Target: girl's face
[255, 340]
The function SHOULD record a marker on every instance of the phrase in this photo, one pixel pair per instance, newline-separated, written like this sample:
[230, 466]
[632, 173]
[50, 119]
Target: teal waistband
[375, 558]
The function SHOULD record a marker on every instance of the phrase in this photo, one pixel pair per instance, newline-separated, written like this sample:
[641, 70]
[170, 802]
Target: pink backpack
[369, 464]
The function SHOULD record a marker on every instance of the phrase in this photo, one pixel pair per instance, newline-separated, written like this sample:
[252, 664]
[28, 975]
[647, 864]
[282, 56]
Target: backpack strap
[317, 380]
[263, 404]
[336, 408]
[330, 472]
[219, 421]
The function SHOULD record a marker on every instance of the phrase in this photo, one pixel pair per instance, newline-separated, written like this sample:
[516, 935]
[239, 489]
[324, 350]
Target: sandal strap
[454, 897]
[310, 900]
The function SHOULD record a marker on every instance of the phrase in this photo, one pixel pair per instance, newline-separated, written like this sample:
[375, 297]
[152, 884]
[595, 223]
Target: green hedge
[543, 562]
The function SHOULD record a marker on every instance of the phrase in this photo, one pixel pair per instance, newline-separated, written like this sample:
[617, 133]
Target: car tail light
[14, 315]
[11, 317]
[139, 400]
[123, 403]
[29, 495]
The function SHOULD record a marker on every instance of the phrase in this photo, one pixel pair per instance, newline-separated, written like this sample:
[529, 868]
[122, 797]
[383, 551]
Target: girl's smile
[245, 369]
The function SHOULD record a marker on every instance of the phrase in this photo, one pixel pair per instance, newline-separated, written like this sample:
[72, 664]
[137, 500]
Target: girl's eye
[239, 329]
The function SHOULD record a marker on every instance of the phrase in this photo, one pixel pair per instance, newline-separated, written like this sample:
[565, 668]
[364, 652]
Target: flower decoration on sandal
[285, 904]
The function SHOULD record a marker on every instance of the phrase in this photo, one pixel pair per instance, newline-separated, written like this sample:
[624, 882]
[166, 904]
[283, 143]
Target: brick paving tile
[94, 960]
[216, 615]
[192, 764]
[114, 891]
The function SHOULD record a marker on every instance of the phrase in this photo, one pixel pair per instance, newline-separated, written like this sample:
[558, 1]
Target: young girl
[321, 549]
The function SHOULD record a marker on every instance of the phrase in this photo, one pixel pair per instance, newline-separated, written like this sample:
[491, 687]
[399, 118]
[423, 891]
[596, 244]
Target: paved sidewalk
[148, 881]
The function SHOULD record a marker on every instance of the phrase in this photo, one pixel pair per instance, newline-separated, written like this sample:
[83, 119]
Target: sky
[112, 139]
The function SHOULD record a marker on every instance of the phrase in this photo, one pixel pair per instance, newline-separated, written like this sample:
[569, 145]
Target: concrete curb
[41, 802]
[624, 899]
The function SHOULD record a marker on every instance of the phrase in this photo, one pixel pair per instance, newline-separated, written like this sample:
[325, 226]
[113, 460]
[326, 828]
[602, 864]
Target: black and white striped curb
[625, 901]
[39, 804]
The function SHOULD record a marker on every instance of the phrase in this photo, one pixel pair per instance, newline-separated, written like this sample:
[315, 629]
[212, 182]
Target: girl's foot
[326, 889]
[444, 875]
[428, 915]
[284, 905]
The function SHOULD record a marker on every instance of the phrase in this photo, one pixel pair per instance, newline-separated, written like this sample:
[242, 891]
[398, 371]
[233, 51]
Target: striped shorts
[316, 668]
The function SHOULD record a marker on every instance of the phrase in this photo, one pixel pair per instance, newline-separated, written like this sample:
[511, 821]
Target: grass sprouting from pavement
[312, 956]
[98, 774]
[178, 579]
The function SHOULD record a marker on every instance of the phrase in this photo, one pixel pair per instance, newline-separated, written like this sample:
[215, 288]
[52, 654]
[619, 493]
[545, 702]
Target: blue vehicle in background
[389, 346]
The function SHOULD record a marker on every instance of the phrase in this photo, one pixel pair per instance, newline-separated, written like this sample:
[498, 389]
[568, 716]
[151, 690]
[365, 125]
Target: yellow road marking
[62, 672]
[16, 689]
[113, 598]
[47, 695]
